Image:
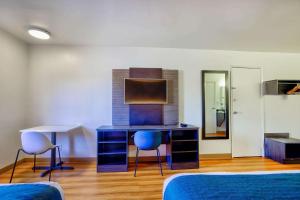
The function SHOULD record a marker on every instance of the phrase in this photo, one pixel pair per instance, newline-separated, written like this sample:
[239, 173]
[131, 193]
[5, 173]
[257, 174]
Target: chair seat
[41, 151]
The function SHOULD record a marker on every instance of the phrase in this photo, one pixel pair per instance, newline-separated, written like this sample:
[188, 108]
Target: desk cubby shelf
[111, 142]
[112, 151]
[191, 140]
[183, 150]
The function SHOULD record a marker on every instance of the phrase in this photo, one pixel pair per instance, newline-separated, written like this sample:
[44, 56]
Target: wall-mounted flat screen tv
[145, 91]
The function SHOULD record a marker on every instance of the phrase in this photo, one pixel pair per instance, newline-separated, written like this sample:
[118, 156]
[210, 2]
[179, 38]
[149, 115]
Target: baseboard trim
[224, 156]
[94, 159]
[66, 159]
[130, 159]
[8, 167]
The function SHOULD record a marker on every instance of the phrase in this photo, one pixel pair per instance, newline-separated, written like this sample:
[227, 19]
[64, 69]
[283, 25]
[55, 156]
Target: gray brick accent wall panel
[170, 110]
[120, 111]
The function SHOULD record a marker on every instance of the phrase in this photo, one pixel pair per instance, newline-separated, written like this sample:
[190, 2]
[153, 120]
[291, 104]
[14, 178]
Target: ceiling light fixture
[39, 33]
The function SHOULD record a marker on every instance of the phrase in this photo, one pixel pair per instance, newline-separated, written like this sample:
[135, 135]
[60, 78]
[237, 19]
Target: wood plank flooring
[84, 183]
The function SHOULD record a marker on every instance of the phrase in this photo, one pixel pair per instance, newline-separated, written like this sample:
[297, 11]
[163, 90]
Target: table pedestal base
[58, 166]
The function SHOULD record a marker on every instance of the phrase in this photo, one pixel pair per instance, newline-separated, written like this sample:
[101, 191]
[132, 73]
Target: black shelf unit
[112, 151]
[183, 150]
[283, 150]
[279, 87]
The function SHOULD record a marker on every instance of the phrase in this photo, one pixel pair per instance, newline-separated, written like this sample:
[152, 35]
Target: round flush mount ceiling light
[39, 33]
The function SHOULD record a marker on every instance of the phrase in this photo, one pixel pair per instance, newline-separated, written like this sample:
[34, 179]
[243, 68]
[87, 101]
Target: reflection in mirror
[215, 105]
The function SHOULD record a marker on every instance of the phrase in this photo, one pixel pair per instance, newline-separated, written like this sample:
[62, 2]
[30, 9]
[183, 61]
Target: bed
[234, 186]
[31, 191]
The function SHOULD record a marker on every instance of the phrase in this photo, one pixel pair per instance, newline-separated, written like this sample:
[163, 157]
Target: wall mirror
[215, 105]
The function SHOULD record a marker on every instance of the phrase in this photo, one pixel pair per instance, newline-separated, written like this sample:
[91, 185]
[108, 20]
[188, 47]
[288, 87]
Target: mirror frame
[203, 72]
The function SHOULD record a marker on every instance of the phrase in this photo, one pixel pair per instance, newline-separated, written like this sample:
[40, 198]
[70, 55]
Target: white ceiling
[254, 25]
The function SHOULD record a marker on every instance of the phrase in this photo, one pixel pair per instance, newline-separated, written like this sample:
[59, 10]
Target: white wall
[13, 90]
[72, 84]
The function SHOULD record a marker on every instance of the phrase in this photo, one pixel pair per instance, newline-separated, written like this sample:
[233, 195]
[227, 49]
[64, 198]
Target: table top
[287, 140]
[148, 127]
[50, 129]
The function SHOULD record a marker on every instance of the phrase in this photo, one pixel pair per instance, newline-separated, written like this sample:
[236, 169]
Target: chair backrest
[35, 143]
[147, 140]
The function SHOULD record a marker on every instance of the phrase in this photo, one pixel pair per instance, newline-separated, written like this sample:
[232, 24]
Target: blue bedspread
[234, 187]
[29, 192]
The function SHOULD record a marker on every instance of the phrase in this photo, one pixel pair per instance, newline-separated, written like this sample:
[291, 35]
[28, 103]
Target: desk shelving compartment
[112, 151]
[183, 149]
[283, 150]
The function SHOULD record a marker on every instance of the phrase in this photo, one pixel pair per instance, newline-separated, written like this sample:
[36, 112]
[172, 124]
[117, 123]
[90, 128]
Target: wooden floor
[84, 183]
[217, 134]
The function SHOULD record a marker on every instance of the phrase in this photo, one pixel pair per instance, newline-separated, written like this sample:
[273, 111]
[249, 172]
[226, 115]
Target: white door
[247, 115]
[210, 107]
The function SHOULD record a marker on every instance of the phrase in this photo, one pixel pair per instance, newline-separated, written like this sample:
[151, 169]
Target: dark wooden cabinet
[182, 146]
[112, 150]
[283, 150]
[183, 149]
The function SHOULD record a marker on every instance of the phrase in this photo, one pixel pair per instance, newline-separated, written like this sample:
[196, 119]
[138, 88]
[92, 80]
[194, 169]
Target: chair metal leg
[50, 171]
[136, 161]
[159, 161]
[59, 156]
[34, 162]
[12, 174]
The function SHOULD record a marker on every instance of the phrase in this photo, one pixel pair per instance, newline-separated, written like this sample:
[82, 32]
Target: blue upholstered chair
[147, 141]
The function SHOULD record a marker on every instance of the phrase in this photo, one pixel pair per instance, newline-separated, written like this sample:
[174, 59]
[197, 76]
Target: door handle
[235, 112]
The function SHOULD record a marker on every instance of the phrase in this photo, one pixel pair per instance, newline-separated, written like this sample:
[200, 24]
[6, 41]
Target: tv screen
[145, 91]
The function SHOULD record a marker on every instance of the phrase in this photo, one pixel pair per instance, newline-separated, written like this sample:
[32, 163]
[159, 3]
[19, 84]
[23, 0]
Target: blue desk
[182, 146]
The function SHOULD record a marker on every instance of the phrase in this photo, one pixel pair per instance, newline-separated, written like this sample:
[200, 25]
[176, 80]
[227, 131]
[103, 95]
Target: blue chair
[147, 141]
